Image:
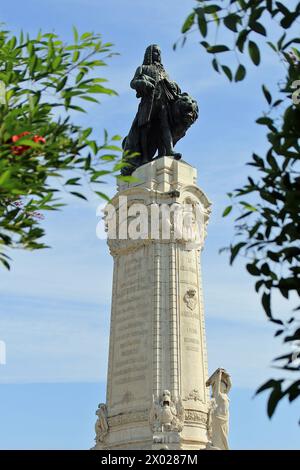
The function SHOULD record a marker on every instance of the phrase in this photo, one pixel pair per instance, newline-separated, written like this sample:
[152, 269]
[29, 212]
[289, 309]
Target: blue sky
[55, 304]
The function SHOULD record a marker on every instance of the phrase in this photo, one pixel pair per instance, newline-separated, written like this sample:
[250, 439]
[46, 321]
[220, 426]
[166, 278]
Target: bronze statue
[163, 117]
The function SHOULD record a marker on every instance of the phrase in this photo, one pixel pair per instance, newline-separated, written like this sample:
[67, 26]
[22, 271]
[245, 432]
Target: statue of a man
[218, 422]
[163, 116]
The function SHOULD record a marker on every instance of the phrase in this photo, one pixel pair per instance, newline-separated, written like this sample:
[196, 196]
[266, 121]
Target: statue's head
[166, 397]
[101, 409]
[191, 293]
[152, 55]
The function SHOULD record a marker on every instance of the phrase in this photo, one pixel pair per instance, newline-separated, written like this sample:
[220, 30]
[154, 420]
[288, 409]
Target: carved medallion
[190, 298]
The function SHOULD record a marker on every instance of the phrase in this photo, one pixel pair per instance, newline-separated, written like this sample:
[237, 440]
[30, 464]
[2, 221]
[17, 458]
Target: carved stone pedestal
[157, 371]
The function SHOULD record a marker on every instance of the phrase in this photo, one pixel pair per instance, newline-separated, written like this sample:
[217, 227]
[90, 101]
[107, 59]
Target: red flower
[20, 149]
[16, 137]
[39, 138]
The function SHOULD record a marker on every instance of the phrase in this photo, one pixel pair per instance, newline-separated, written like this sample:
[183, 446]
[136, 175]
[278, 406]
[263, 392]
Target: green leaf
[204, 44]
[201, 21]
[274, 399]
[254, 52]
[215, 65]
[85, 36]
[240, 73]
[103, 196]
[269, 384]
[29, 143]
[114, 148]
[93, 145]
[273, 47]
[212, 9]
[73, 181]
[87, 164]
[61, 83]
[30, 48]
[231, 22]
[128, 179]
[227, 211]
[188, 22]
[264, 121]
[79, 76]
[266, 303]
[217, 49]
[89, 98]
[76, 108]
[253, 269]
[5, 177]
[97, 174]
[56, 62]
[100, 89]
[86, 133]
[76, 56]
[227, 72]
[267, 94]
[241, 39]
[108, 157]
[248, 206]
[33, 63]
[12, 43]
[259, 28]
[75, 32]
[5, 263]
[81, 196]
[235, 250]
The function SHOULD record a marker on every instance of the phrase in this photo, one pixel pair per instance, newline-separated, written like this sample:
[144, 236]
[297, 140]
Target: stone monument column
[157, 396]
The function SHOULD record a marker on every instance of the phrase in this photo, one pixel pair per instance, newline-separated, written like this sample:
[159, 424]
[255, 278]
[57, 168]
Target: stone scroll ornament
[164, 114]
[166, 415]
[218, 416]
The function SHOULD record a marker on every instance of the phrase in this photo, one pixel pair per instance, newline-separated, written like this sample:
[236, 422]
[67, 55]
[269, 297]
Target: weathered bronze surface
[164, 113]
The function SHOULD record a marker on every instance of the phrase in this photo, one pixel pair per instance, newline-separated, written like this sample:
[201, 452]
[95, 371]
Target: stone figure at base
[218, 417]
[101, 426]
[163, 117]
[167, 415]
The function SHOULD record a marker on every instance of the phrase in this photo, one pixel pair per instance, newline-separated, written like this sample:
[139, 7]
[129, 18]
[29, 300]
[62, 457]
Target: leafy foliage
[43, 152]
[267, 230]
